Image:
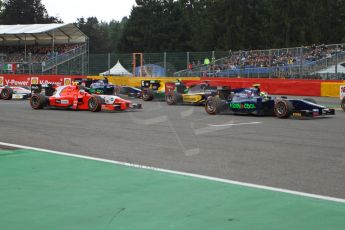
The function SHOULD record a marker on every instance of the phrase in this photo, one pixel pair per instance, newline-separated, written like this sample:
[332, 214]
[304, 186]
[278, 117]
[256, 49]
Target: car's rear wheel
[95, 104]
[173, 99]
[6, 93]
[147, 95]
[38, 101]
[342, 104]
[312, 100]
[213, 105]
[283, 109]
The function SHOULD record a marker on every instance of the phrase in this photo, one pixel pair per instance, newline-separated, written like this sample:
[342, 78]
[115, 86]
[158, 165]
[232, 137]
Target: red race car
[71, 96]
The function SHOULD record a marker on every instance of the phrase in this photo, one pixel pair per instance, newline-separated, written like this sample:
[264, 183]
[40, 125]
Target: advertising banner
[27, 80]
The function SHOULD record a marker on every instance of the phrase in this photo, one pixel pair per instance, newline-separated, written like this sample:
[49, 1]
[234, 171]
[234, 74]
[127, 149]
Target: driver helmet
[263, 94]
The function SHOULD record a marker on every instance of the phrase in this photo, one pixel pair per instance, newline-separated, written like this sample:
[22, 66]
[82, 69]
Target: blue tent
[151, 70]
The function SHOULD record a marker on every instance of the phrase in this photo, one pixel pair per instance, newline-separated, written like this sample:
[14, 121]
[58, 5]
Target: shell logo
[1, 81]
[34, 80]
[67, 81]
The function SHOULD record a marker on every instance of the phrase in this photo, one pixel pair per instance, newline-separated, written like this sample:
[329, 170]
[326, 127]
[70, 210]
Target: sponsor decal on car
[1, 81]
[296, 114]
[192, 98]
[242, 106]
[64, 102]
[17, 96]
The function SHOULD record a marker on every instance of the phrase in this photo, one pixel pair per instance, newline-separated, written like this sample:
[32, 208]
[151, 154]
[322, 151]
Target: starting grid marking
[232, 182]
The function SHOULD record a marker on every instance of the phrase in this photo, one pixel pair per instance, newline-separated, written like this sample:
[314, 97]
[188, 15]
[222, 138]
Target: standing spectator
[190, 66]
[206, 61]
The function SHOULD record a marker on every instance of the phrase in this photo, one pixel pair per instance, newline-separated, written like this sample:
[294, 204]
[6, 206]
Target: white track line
[236, 124]
[310, 195]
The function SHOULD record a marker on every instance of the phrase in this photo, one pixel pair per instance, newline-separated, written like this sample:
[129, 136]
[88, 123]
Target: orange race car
[71, 96]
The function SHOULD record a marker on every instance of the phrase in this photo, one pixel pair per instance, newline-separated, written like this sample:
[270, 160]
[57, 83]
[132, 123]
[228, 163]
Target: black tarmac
[306, 155]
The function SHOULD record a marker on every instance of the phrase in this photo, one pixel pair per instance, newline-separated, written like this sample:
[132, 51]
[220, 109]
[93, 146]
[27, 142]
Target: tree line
[201, 25]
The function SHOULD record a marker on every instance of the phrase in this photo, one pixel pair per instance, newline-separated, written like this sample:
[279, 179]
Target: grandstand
[43, 49]
[306, 61]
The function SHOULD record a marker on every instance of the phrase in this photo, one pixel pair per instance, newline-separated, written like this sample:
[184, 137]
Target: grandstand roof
[41, 34]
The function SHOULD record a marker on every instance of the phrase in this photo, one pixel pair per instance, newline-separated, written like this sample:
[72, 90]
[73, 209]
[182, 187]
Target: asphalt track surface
[305, 155]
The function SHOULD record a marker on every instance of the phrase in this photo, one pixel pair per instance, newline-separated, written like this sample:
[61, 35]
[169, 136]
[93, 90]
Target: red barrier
[27, 80]
[272, 86]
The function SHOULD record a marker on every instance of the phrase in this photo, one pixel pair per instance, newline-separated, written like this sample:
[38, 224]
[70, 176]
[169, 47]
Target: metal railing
[59, 59]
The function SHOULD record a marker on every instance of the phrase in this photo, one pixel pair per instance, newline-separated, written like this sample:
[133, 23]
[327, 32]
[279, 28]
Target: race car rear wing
[39, 88]
[153, 84]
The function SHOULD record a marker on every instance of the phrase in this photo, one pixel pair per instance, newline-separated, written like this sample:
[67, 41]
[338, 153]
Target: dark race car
[152, 90]
[178, 93]
[102, 87]
[252, 101]
[129, 91]
[14, 92]
[73, 97]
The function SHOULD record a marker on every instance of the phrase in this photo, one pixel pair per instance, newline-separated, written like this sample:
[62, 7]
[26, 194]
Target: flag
[10, 67]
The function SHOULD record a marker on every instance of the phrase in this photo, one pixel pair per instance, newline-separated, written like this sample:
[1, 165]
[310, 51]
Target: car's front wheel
[95, 104]
[173, 99]
[283, 109]
[147, 95]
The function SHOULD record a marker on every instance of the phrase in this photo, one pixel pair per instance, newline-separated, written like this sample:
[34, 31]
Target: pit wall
[272, 86]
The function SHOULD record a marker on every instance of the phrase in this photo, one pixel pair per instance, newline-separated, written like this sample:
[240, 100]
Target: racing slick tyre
[38, 101]
[95, 104]
[213, 105]
[283, 109]
[147, 95]
[312, 100]
[173, 99]
[342, 104]
[6, 93]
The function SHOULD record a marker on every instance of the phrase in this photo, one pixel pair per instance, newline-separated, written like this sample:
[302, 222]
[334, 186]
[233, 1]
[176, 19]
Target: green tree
[26, 12]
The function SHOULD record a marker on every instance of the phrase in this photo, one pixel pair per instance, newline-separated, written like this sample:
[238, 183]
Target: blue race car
[102, 87]
[130, 91]
[252, 101]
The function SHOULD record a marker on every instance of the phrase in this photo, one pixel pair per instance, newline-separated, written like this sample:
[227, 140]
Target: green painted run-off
[46, 191]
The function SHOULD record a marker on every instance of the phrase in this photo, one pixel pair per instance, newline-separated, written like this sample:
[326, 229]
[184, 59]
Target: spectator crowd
[268, 58]
[33, 53]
